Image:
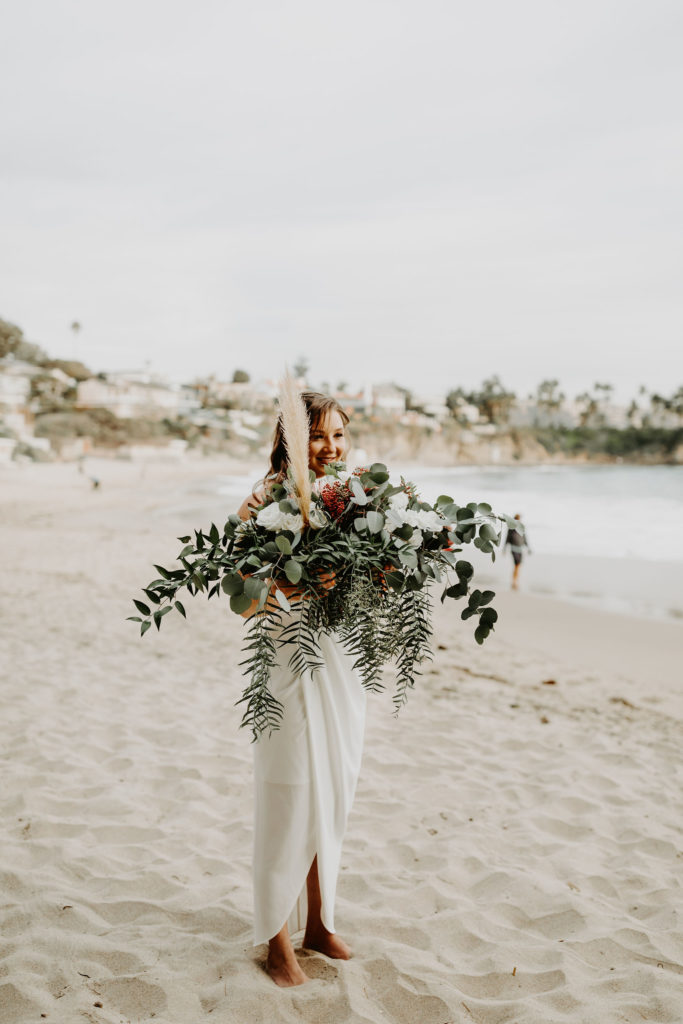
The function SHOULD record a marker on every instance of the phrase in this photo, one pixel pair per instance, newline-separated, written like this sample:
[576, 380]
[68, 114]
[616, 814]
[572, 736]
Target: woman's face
[327, 442]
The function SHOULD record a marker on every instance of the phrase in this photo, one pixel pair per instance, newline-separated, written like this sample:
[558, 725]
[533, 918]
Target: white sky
[427, 191]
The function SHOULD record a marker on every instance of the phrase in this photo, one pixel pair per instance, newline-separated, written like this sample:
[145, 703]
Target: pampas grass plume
[295, 432]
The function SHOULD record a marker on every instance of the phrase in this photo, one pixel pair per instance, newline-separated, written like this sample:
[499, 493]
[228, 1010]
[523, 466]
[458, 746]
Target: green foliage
[630, 441]
[363, 574]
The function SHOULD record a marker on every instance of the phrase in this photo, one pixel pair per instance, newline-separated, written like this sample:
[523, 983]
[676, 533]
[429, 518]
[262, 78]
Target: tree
[589, 410]
[240, 377]
[301, 368]
[493, 401]
[11, 337]
[548, 398]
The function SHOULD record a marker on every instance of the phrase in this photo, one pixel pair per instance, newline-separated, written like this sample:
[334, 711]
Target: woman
[306, 772]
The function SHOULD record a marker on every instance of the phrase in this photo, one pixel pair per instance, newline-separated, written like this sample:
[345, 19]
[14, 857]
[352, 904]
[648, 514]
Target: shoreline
[202, 490]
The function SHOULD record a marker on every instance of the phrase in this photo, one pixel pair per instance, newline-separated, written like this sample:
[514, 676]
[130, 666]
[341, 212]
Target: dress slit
[305, 780]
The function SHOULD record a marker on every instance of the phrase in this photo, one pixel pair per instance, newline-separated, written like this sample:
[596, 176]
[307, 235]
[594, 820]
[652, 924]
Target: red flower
[335, 499]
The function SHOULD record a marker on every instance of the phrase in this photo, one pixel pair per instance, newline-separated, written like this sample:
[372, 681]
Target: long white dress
[305, 778]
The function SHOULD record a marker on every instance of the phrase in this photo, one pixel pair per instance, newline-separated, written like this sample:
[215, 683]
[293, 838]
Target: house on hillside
[134, 395]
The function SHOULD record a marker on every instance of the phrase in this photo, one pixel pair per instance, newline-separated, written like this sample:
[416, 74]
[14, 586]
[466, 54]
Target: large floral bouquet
[355, 555]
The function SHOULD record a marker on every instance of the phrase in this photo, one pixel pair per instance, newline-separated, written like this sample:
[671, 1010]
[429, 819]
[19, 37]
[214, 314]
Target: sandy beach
[515, 852]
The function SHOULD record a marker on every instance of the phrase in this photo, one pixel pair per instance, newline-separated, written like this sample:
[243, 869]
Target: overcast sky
[428, 191]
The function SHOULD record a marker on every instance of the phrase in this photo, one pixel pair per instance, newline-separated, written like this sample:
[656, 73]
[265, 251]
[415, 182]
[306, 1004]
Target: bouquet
[355, 554]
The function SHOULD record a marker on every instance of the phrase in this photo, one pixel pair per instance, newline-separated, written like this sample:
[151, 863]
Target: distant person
[518, 541]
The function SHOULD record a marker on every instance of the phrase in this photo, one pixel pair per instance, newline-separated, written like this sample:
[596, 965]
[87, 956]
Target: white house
[130, 395]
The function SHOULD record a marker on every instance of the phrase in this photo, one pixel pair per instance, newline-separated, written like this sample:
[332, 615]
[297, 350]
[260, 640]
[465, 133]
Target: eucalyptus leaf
[232, 584]
[239, 603]
[141, 606]
[408, 557]
[283, 544]
[375, 521]
[253, 587]
[293, 571]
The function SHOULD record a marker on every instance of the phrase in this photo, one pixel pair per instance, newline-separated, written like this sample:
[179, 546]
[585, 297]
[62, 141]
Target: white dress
[305, 778]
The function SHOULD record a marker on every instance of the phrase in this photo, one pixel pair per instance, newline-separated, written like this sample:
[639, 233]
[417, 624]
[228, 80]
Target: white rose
[431, 521]
[273, 518]
[270, 517]
[399, 501]
[394, 520]
[291, 521]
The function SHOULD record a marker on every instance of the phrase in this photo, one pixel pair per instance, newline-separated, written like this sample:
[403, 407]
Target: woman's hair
[318, 407]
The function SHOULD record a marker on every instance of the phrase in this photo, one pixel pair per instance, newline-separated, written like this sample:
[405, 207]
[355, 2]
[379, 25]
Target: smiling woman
[306, 771]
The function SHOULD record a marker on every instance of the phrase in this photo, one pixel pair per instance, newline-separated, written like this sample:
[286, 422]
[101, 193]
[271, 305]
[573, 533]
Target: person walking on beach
[305, 772]
[517, 540]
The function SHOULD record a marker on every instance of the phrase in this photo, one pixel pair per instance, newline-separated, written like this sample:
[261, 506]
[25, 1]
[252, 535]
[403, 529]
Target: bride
[306, 772]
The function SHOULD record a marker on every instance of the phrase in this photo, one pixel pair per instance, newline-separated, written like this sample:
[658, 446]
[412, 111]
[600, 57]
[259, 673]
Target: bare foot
[284, 969]
[328, 943]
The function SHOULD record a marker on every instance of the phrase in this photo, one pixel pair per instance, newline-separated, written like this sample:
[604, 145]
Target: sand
[515, 852]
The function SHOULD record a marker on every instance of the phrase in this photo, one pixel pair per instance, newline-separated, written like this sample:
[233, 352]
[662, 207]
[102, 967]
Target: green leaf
[183, 540]
[282, 600]
[489, 616]
[283, 545]
[232, 584]
[395, 580]
[239, 603]
[141, 606]
[162, 572]
[484, 508]
[359, 495]
[159, 614]
[293, 570]
[144, 627]
[487, 597]
[375, 521]
[408, 557]
[464, 570]
[254, 587]
[443, 499]
[488, 532]
[360, 524]
[180, 608]
[154, 598]
[133, 618]
[214, 535]
[480, 634]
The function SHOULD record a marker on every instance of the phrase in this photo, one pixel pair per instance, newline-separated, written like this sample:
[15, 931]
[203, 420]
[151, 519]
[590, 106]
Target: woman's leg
[281, 964]
[317, 936]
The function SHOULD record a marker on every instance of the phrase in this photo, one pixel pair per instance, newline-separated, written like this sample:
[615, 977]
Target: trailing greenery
[361, 569]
